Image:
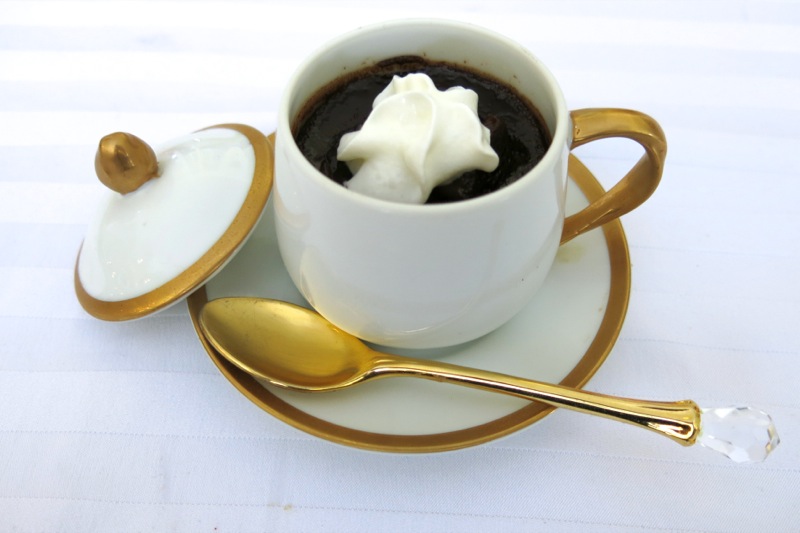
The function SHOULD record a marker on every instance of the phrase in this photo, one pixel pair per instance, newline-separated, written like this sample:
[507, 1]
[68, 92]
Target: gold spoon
[295, 348]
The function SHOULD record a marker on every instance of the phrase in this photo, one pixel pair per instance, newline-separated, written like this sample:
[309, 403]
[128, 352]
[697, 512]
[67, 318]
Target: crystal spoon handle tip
[743, 434]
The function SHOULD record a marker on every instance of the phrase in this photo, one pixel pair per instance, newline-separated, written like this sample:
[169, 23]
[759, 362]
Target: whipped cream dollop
[415, 138]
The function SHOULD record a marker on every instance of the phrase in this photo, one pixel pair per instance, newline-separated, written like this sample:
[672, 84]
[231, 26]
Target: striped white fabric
[130, 427]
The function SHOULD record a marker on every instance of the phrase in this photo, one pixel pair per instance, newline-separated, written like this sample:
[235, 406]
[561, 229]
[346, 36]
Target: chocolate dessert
[518, 134]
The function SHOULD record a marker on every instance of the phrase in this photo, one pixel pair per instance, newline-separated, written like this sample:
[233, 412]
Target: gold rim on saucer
[593, 358]
[210, 262]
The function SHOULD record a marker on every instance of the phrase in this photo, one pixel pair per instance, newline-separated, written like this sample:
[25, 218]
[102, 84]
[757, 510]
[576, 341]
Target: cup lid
[172, 219]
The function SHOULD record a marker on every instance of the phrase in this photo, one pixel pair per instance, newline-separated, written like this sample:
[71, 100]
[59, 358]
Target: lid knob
[124, 162]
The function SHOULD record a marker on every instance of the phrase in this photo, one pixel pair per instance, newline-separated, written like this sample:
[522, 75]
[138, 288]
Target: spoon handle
[680, 420]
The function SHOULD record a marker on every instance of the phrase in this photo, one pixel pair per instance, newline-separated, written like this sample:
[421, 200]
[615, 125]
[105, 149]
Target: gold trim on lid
[210, 262]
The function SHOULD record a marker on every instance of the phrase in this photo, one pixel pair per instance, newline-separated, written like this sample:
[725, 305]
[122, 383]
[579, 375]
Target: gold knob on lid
[124, 162]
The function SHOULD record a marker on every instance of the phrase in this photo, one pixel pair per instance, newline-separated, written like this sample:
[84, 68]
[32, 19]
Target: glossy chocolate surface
[518, 134]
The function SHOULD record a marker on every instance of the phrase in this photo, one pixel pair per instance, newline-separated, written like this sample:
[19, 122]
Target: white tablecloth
[130, 427]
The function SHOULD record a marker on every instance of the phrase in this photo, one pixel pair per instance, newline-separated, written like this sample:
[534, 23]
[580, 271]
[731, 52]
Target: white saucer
[564, 336]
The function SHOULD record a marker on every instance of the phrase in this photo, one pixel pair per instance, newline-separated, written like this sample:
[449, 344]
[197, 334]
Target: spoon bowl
[284, 344]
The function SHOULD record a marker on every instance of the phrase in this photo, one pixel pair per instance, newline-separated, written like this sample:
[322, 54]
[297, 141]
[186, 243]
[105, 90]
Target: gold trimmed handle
[638, 184]
[679, 420]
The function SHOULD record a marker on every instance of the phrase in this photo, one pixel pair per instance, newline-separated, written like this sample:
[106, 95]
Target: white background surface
[130, 427]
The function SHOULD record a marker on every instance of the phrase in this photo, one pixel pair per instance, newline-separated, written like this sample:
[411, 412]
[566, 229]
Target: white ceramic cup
[425, 276]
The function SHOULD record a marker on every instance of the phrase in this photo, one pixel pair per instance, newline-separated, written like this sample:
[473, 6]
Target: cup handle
[638, 184]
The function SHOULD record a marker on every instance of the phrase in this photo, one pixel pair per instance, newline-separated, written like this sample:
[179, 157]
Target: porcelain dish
[563, 336]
